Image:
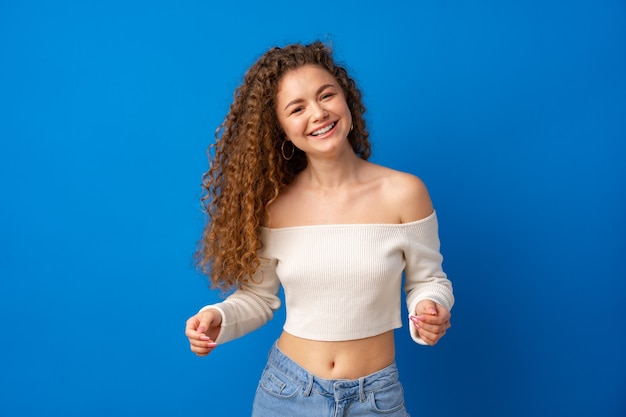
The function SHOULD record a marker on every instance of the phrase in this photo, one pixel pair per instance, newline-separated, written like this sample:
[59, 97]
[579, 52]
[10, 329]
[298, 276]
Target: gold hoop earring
[282, 150]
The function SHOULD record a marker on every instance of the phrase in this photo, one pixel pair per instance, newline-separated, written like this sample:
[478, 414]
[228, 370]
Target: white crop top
[341, 281]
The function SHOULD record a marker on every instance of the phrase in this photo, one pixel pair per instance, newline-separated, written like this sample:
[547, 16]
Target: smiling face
[312, 110]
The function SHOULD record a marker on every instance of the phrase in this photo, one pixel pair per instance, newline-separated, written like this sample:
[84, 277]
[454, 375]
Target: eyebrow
[299, 100]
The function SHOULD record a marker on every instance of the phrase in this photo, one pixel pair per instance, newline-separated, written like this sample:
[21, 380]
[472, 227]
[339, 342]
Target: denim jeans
[287, 389]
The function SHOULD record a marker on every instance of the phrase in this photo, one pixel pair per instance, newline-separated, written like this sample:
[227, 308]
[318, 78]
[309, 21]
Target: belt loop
[309, 385]
[362, 389]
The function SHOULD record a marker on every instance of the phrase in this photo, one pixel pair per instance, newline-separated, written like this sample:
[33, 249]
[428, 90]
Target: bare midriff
[349, 359]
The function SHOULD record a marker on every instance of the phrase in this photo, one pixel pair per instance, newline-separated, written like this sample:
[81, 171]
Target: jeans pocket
[274, 383]
[388, 400]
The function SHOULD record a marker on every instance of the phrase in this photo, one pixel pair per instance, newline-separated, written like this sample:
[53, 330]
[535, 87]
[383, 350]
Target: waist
[340, 388]
[350, 359]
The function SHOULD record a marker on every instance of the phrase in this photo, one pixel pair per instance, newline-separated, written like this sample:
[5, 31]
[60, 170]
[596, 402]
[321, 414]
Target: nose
[319, 113]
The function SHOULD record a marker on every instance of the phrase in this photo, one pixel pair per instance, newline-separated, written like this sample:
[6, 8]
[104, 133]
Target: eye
[327, 95]
[297, 110]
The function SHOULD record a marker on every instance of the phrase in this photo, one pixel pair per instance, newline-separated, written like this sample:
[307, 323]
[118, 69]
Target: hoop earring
[282, 150]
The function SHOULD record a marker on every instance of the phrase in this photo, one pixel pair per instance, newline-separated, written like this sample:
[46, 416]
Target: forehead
[304, 79]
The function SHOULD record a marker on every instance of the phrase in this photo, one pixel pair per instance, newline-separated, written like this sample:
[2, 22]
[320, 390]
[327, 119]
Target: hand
[202, 329]
[431, 320]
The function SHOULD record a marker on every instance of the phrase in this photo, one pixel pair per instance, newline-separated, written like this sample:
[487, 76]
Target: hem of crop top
[322, 225]
[396, 323]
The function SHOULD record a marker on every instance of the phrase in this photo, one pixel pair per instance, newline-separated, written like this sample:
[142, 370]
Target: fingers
[430, 338]
[426, 307]
[195, 330]
[431, 321]
[430, 330]
[202, 346]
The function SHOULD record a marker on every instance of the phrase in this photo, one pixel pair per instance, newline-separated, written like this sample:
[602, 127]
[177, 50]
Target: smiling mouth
[324, 129]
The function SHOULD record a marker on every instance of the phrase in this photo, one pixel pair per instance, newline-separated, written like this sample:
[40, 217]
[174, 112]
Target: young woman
[293, 201]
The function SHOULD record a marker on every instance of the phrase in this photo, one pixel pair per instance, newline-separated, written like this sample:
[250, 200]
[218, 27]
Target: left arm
[428, 290]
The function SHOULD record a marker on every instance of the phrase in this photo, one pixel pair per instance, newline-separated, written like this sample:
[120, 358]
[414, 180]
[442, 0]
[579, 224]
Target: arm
[250, 307]
[245, 310]
[428, 291]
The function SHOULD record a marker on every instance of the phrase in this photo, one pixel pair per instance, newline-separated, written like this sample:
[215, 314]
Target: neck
[332, 173]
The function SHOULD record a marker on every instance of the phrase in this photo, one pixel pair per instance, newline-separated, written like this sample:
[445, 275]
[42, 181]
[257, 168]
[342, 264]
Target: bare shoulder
[407, 194]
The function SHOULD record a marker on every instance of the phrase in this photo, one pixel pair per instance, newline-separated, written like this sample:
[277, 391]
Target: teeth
[323, 130]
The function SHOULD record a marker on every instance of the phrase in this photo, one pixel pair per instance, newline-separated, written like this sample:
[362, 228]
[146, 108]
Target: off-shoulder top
[341, 281]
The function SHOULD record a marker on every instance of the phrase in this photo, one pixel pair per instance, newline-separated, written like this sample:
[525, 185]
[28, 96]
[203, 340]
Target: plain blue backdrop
[513, 113]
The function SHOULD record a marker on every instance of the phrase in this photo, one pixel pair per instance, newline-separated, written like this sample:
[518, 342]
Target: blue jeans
[287, 389]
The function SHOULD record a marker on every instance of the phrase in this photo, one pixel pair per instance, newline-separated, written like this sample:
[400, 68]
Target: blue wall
[514, 113]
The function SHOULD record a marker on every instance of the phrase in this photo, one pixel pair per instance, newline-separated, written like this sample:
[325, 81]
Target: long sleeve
[424, 275]
[252, 306]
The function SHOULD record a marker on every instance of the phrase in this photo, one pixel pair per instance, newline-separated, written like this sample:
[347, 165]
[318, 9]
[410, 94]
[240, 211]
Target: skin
[336, 187]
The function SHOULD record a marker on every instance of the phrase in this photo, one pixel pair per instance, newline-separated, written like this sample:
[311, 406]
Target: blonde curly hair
[248, 171]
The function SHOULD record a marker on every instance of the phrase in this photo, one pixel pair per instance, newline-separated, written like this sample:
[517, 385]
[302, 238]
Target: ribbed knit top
[341, 281]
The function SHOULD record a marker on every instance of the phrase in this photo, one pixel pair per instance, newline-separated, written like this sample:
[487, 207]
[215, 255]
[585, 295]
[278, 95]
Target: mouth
[323, 130]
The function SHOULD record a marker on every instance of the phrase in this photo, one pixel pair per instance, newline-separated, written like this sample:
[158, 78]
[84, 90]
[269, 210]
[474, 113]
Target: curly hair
[247, 170]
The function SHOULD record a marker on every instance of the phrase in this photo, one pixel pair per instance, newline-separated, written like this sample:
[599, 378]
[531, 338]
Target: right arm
[245, 310]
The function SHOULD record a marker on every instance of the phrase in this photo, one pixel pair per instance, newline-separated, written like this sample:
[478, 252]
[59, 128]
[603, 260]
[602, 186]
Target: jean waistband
[339, 388]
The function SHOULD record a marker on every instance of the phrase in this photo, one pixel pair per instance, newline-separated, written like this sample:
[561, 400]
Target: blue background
[513, 113]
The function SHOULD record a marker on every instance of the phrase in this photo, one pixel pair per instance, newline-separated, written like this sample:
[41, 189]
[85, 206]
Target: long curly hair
[248, 170]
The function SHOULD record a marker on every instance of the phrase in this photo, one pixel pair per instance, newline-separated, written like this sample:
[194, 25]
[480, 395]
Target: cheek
[284, 126]
[292, 127]
[347, 111]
